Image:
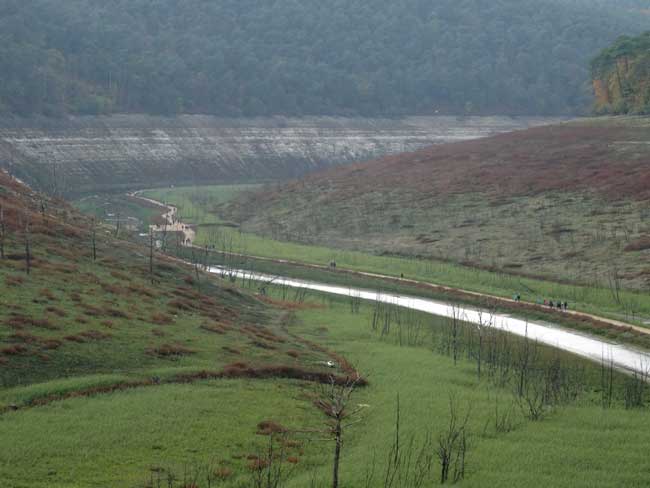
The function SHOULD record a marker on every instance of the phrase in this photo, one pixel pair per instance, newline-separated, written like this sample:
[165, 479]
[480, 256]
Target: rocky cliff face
[89, 154]
[621, 77]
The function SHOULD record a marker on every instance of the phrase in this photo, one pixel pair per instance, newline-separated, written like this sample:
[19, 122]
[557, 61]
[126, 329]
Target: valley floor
[129, 438]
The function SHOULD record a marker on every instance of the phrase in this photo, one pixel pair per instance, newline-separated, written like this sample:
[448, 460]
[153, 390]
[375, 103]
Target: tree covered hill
[622, 76]
[260, 57]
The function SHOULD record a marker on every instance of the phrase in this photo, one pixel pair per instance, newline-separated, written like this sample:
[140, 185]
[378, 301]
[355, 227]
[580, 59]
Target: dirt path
[623, 326]
[173, 223]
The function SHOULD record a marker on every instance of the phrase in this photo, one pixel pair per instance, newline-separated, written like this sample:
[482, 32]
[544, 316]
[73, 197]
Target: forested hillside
[260, 57]
[622, 76]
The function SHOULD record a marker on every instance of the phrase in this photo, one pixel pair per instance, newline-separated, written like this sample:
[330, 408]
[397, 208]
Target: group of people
[559, 304]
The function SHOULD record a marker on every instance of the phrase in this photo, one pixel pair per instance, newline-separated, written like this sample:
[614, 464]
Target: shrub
[24, 337]
[14, 281]
[161, 318]
[116, 313]
[56, 311]
[51, 344]
[15, 350]
[217, 329]
[268, 427]
[232, 350]
[640, 244]
[170, 350]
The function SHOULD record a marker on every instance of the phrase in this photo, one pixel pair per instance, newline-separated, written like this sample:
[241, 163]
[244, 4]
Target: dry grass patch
[170, 351]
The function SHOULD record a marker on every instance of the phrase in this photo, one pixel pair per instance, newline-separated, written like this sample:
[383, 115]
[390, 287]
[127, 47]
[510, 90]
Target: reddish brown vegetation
[51, 344]
[641, 244]
[222, 474]
[232, 350]
[170, 350]
[15, 350]
[216, 328]
[261, 334]
[141, 290]
[161, 318]
[24, 337]
[14, 281]
[87, 336]
[182, 305]
[605, 159]
[47, 293]
[120, 276]
[116, 313]
[268, 427]
[56, 311]
[241, 370]
[257, 464]
[288, 305]
[18, 322]
[75, 297]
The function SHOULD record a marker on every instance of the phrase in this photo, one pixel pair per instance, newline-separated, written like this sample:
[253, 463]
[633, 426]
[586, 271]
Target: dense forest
[316, 57]
[622, 76]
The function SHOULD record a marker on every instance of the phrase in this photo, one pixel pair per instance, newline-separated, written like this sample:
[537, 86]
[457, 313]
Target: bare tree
[28, 244]
[452, 444]
[3, 231]
[615, 283]
[267, 471]
[485, 321]
[151, 252]
[117, 224]
[410, 462]
[93, 237]
[335, 402]
[456, 317]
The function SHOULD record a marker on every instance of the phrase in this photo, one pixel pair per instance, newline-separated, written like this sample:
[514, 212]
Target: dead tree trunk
[28, 251]
[117, 225]
[337, 453]
[151, 245]
[334, 402]
[2, 232]
[94, 240]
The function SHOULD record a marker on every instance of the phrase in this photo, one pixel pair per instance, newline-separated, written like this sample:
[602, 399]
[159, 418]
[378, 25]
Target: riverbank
[585, 322]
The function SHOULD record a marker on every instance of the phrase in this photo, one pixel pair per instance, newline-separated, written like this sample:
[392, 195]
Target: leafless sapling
[452, 444]
[93, 237]
[28, 247]
[3, 231]
[335, 401]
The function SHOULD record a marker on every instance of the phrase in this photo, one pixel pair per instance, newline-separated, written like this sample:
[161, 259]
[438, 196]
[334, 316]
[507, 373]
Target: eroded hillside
[89, 154]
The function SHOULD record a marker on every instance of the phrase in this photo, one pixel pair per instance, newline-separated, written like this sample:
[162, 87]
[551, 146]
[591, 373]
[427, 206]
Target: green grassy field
[127, 438]
[632, 306]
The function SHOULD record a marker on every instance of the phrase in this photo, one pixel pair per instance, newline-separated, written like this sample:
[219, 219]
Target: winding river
[623, 357]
